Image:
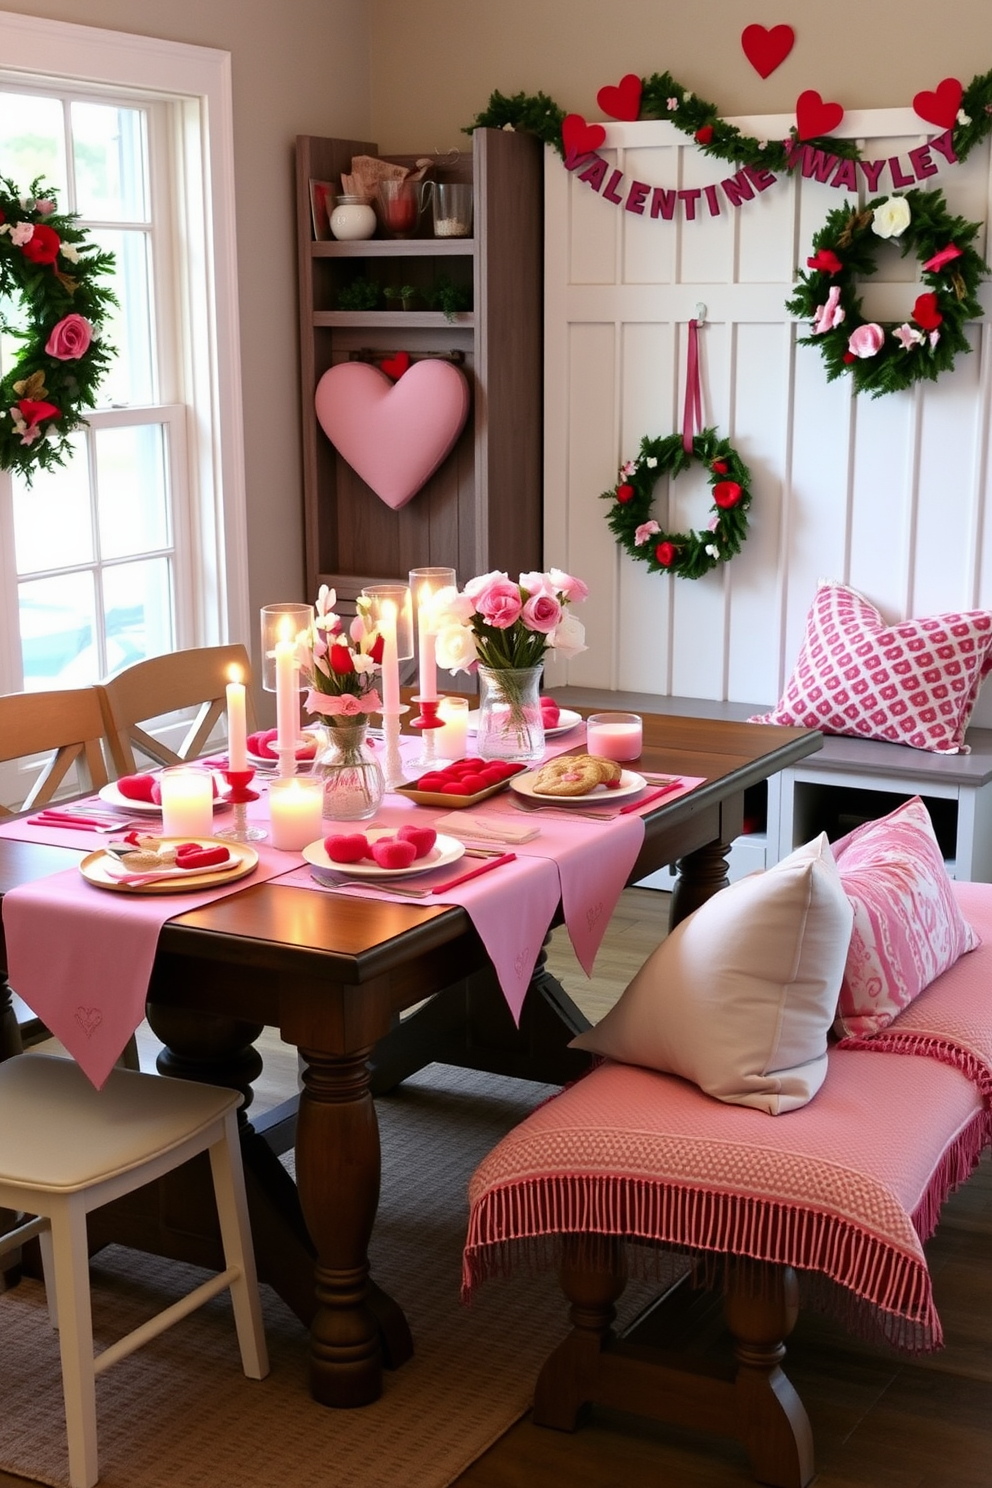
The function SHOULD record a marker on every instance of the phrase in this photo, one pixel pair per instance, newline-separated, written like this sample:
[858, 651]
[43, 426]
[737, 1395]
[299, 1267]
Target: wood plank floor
[878, 1420]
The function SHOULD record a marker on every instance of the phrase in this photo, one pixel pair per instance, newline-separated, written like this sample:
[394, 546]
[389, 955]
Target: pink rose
[866, 340]
[499, 603]
[571, 589]
[542, 613]
[70, 338]
[646, 530]
[830, 314]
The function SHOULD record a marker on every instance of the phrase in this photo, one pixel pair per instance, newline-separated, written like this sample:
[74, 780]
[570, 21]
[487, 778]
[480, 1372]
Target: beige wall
[435, 62]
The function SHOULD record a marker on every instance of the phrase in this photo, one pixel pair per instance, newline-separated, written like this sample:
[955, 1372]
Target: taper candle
[237, 728]
[390, 659]
[426, 641]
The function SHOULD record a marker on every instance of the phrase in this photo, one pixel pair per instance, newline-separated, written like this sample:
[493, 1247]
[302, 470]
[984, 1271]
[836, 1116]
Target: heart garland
[941, 106]
[580, 138]
[766, 48]
[622, 101]
[815, 118]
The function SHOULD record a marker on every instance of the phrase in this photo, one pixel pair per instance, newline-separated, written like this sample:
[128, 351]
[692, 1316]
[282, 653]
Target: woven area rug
[179, 1411]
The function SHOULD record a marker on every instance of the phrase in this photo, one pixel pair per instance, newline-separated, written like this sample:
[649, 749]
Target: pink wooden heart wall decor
[394, 434]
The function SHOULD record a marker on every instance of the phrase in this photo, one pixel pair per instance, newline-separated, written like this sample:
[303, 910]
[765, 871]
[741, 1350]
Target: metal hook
[700, 314]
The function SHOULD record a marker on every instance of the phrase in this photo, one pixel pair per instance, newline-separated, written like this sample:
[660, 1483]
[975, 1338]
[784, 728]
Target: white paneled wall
[888, 495]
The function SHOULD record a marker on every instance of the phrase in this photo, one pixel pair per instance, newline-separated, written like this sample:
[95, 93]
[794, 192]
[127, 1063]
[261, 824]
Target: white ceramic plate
[566, 720]
[630, 784]
[113, 797]
[266, 762]
[94, 869]
[445, 850]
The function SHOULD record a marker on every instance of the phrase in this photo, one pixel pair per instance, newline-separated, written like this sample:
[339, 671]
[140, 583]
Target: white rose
[568, 637]
[891, 218]
[455, 648]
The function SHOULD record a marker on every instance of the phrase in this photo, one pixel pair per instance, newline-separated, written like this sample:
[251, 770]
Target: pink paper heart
[815, 118]
[394, 434]
[622, 101]
[580, 138]
[766, 48]
[941, 106]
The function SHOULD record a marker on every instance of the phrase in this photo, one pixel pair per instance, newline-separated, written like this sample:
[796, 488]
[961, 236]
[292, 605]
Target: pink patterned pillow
[912, 683]
[907, 924]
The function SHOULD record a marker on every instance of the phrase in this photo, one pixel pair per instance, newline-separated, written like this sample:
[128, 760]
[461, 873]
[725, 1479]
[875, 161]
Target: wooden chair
[66, 725]
[67, 1148]
[147, 690]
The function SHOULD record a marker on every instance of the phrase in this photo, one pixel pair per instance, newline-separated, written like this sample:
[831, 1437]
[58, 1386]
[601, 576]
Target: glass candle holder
[451, 742]
[614, 736]
[295, 812]
[187, 802]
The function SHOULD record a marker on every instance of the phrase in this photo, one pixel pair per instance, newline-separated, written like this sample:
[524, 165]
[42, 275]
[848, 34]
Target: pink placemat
[81, 957]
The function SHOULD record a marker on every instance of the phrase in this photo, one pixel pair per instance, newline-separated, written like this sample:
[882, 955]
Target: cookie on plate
[575, 775]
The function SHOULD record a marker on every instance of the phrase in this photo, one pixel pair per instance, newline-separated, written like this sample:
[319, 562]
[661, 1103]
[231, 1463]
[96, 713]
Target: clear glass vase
[353, 780]
[510, 722]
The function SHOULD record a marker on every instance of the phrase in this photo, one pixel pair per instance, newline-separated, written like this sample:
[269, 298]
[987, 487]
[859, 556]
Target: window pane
[128, 327]
[109, 152]
[32, 142]
[131, 486]
[57, 632]
[137, 599]
[52, 522]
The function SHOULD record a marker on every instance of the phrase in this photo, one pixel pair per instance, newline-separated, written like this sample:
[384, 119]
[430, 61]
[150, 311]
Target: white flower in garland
[891, 217]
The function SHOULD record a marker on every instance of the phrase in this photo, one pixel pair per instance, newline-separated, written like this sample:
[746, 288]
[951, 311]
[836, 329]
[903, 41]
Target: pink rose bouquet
[507, 625]
[340, 664]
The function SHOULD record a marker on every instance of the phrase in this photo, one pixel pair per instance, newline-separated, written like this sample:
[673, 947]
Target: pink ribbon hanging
[692, 416]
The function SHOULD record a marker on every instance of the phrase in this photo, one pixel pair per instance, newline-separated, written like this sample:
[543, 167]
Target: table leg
[338, 1167]
[700, 875]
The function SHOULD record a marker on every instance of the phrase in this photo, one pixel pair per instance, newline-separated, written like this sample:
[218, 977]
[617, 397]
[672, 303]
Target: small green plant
[360, 294]
[448, 297]
[405, 293]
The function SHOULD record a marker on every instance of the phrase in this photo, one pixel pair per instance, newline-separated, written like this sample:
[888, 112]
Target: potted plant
[360, 294]
[405, 293]
[448, 297]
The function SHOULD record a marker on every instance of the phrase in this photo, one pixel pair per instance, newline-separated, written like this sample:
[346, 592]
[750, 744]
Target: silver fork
[522, 804]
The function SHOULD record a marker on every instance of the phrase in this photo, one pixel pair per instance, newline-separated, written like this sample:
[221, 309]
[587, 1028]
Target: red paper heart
[622, 101]
[394, 434]
[395, 366]
[767, 49]
[814, 117]
[580, 138]
[941, 106]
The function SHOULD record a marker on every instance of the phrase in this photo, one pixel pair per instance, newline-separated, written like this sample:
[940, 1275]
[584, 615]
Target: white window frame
[196, 82]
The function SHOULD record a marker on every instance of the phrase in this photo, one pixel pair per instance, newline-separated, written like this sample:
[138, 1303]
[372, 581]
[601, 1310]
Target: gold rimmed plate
[96, 865]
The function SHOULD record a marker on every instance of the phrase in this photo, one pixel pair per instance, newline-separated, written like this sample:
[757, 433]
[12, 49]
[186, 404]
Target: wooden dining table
[335, 975]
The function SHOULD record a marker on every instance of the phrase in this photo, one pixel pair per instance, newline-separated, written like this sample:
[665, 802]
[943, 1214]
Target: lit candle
[614, 736]
[390, 658]
[450, 741]
[295, 806]
[427, 640]
[287, 690]
[187, 802]
[237, 728]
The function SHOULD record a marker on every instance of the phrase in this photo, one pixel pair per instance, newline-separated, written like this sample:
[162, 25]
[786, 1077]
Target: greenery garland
[51, 275]
[889, 357]
[687, 555]
[664, 98]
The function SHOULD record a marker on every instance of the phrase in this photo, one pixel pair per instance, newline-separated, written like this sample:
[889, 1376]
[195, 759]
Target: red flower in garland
[727, 494]
[719, 467]
[43, 245]
[849, 357]
[341, 660]
[624, 493]
[665, 553]
[826, 261]
[925, 312]
[704, 134]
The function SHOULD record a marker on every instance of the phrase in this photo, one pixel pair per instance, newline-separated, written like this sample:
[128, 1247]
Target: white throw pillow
[741, 995]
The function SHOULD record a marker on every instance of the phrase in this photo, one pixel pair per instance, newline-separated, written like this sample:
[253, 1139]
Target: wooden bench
[844, 783]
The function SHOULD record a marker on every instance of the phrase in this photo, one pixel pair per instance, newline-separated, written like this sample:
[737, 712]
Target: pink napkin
[81, 957]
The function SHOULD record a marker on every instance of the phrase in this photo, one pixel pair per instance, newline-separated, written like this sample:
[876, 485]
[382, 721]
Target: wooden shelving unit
[482, 509]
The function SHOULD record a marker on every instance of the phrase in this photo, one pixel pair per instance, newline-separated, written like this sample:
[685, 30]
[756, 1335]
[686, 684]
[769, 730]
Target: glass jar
[353, 781]
[510, 726]
[352, 218]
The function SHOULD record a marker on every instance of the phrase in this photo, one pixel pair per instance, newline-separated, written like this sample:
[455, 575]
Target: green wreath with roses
[890, 356]
[52, 306]
[686, 555]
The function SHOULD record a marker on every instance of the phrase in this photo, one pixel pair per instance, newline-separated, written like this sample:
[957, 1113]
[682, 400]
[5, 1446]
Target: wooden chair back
[146, 690]
[66, 725]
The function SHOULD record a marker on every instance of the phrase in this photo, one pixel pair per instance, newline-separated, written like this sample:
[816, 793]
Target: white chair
[67, 1148]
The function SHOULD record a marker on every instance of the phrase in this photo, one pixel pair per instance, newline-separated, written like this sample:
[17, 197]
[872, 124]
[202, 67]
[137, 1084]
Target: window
[136, 546]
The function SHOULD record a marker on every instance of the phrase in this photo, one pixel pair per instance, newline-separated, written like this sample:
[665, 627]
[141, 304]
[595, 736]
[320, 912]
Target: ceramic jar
[352, 218]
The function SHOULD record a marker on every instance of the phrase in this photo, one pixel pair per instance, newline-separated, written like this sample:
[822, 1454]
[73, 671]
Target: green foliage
[536, 114]
[405, 293]
[448, 297]
[360, 294]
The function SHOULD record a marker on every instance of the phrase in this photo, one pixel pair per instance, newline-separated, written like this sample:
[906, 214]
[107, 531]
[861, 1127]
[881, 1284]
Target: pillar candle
[390, 660]
[295, 806]
[450, 742]
[426, 639]
[287, 690]
[237, 729]
[187, 802]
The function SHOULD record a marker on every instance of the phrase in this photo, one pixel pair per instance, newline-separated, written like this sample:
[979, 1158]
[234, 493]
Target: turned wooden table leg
[593, 1275]
[700, 875]
[337, 1172]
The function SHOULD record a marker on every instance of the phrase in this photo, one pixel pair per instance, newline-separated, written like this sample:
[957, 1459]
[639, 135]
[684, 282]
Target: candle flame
[235, 674]
[284, 629]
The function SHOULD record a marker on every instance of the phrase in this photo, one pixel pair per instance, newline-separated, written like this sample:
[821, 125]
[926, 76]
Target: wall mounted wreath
[888, 357]
[52, 303]
[687, 555]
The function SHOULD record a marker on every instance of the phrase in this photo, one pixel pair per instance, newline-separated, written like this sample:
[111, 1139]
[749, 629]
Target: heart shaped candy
[192, 855]
[346, 847]
[390, 852]
[137, 787]
[423, 838]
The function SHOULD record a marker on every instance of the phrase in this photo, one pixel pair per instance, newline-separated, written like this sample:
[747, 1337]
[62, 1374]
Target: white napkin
[474, 828]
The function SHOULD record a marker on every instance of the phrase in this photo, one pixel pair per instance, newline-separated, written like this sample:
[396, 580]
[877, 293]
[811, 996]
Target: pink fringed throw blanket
[846, 1188]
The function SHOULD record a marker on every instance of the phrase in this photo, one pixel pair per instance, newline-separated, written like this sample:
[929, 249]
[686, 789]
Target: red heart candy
[431, 782]
[550, 712]
[191, 855]
[390, 853]
[580, 138]
[260, 744]
[395, 366]
[815, 118]
[349, 847]
[941, 106]
[423, 838]
[622, 101]
[137, 787]
[767, 49]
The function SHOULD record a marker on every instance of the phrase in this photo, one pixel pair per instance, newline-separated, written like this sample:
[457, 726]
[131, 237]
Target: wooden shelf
[396, 248]
[394, 319]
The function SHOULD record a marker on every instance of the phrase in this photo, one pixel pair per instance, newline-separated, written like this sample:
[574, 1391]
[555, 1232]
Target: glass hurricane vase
[510, 722]
[353, 780]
